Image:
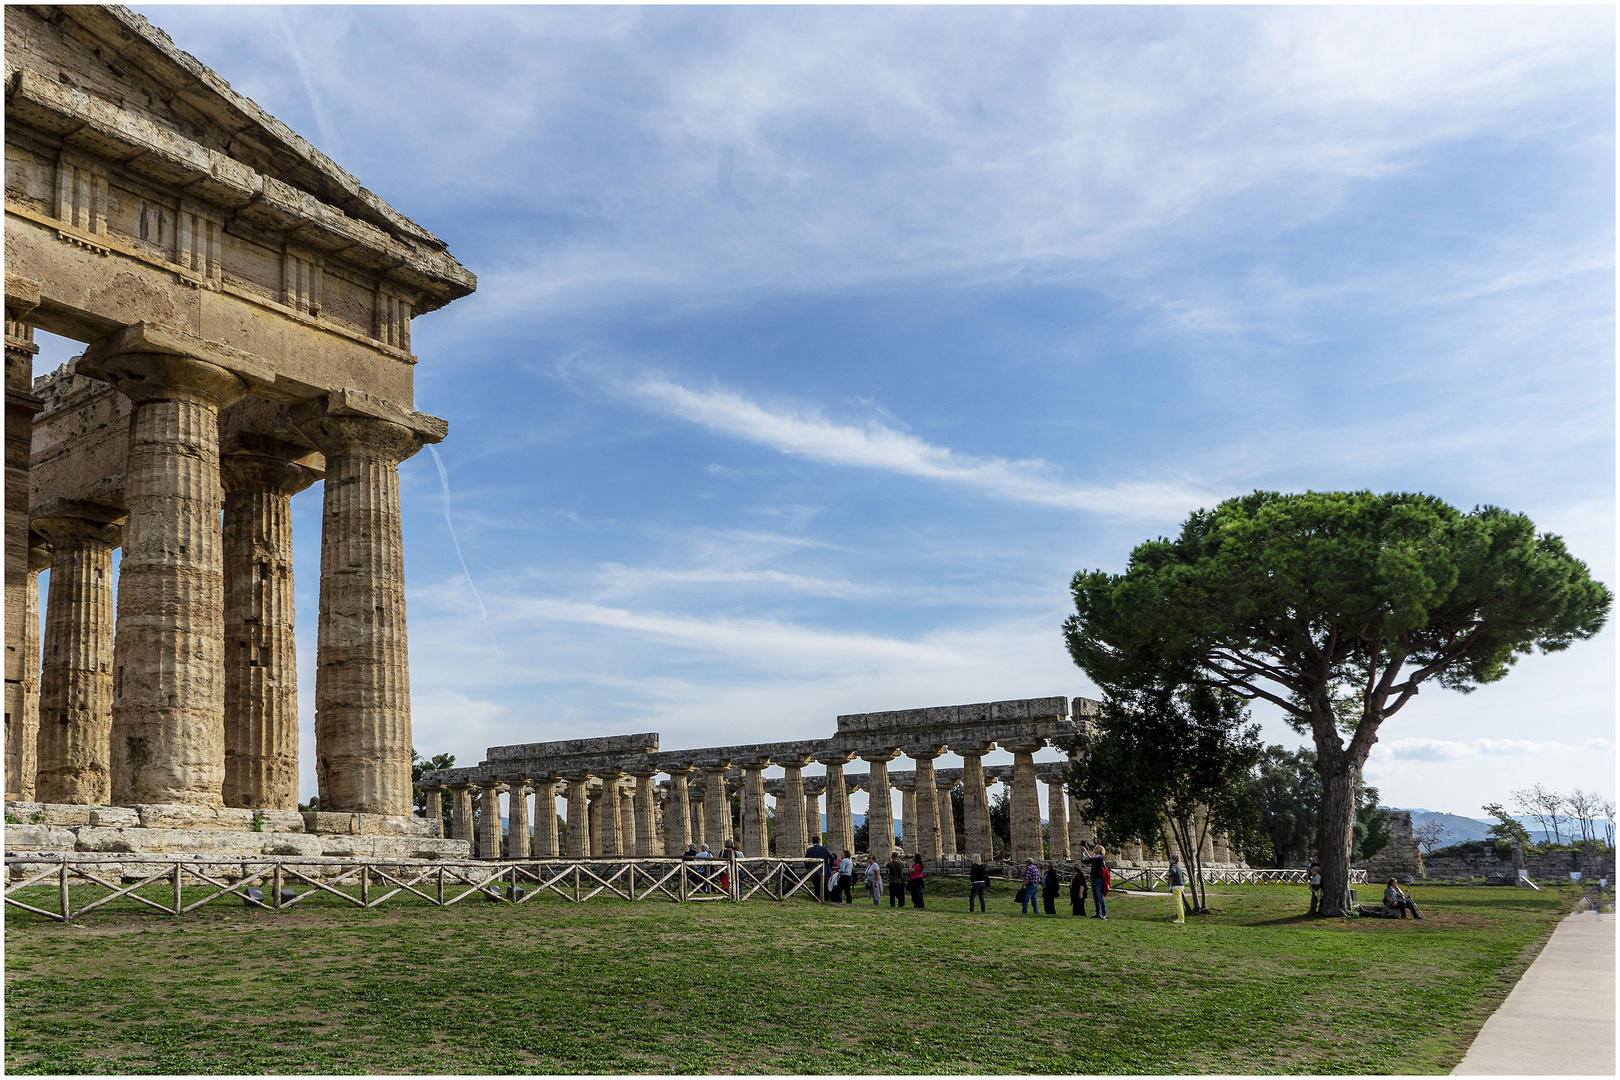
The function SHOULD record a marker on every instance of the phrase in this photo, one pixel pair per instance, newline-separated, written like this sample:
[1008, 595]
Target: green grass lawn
[607, 986]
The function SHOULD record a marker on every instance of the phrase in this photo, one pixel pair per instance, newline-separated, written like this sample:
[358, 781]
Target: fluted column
[1026, 803]
[25, 767]
[677, 814]
[755, 838]
[627, 820]
[813, 787]
[927, 802]
[579, 818]
[1057, 820]
[261, 662]
[461, 812]
[489, 820]
[947, 817]
[694, 808]
[362, 673]
[977, 837]
[168, 728]
[517, 820]
[879, 804]
[433, 809]
[647, 813]
[838, 835]
[593, 818]
[74, 757]
[792, 834]
[22, 635]
[716, 805]
[1081, 835]
[908, 815]
[545, 818]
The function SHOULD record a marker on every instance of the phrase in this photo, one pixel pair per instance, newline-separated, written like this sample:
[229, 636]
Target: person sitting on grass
[1398, 900]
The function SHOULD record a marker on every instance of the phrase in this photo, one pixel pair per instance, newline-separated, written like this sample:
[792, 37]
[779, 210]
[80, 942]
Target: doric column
[927, 801]
[261, 664]
[627, 820]
[677, 814]
[609, 827]
[25, 766]
[838, 834]
[545, 818]
[76, 685]
[362, 673]
[579, 818]
[813, 787]
[1026, 802]
[168, 729]
[646, 813]
[461, 812]
[879, 806]
[947, 816]
[22, 661]
[716, 805]
[489, 819]
[517, 820]
[908, 813]
[1057, 820]
[977, 838]
[792, 835]
[593, 819]
[1081, 835]
[755, 840]
[694, 811]
[433, 808]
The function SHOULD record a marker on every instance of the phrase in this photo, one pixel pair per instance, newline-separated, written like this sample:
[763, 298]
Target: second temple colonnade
[246, 307]
[627, 798]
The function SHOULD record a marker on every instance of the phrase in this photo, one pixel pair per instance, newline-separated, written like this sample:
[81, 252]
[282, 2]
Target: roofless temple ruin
[245, 308]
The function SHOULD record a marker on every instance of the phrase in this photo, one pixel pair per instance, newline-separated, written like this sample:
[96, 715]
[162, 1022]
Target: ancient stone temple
[245, 308]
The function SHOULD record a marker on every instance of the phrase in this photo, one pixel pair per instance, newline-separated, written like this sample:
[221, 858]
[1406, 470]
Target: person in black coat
[1051, 885]
[1077, 892]
[818, 869]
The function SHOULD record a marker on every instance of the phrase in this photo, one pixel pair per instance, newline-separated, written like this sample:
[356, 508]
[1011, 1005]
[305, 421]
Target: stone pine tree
[1336, 607]
[1170, 760]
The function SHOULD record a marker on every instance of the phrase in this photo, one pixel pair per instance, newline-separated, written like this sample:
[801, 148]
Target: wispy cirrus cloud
[1420, 749]
[803, 431]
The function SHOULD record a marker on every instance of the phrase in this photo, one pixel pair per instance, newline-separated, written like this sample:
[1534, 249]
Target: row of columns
[185, 690]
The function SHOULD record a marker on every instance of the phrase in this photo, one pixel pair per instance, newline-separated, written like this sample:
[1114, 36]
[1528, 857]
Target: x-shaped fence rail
[368, 883]
[1149, 876]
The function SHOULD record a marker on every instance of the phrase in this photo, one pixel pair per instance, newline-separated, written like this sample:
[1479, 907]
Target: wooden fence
[159, 881]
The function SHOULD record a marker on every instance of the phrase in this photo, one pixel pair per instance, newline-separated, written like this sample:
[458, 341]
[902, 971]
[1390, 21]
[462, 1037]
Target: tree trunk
[1334, 823]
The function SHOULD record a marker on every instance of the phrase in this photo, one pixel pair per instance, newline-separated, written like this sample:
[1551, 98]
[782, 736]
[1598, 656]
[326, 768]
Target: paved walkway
[1559, 1019]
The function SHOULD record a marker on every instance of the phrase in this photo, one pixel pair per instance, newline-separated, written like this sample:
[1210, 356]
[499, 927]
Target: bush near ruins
[1335, 607]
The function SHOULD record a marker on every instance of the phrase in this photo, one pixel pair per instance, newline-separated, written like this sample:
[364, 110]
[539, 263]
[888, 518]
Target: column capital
[924, 751]
[39, 553]
[677, 769]
[146, 362]
[464, 786]
[885, 755]
[250, 471]
[972, 749]
[360, 436]
[1025, 746]
[67, 523]
[793, 761]
[946, 783]
[839, 758]
[642, 772]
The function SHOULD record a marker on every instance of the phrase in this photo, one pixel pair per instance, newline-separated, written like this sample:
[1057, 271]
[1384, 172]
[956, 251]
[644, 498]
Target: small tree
[421, 765]
[1507, 828]
[1543, 805]
[1176, 757]
[1286, 792]
[1001, 822]
[1429, 836]
[1336, 607]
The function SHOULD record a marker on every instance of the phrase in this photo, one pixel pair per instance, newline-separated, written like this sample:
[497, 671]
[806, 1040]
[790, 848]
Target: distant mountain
[1460, 829]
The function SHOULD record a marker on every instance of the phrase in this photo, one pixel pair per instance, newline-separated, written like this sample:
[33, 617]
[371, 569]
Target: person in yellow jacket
[1178, 883]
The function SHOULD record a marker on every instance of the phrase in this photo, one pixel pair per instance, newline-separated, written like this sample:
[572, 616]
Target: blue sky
[816, 348]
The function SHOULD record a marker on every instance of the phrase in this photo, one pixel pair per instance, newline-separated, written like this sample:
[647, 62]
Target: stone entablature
[246, 307]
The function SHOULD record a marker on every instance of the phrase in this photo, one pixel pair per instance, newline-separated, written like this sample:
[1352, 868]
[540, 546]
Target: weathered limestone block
[927, 802]
[21, 609]
[678, 816]
[360, 824]
[38, 838]
[1026, 803]
[880, 805]
[76, 684]
[792, 830]
[66, 815]
[394, 847]
[977, 837]
[223, 818]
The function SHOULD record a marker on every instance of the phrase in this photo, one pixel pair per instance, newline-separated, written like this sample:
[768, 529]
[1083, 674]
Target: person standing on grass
[1313, 874]
[1099, 881]
[915, 881]
[873, 879]
[1026, 895]
[1177, 882]
[1077, 892]
[1051, 885]
[818, 868]
[846, 877]
[897, 880]
[980, 878]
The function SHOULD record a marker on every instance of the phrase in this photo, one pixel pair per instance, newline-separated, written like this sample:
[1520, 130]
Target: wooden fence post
[276, 902]
[66, 913]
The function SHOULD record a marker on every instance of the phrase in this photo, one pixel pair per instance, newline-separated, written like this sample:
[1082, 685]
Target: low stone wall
[1553, 866]
[219, 831]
